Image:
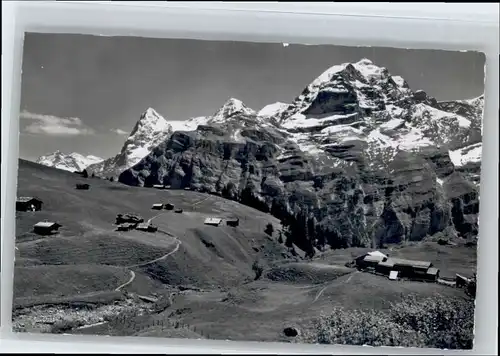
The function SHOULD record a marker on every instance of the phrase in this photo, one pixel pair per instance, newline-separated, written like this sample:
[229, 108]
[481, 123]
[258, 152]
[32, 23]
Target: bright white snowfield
[349, 104]
[469, 154]
[272, 110]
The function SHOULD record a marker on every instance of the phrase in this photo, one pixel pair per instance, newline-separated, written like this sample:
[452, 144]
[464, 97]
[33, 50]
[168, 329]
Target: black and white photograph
[246, 191]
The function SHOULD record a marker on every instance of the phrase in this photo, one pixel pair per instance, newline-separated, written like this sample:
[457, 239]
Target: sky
[83, 93]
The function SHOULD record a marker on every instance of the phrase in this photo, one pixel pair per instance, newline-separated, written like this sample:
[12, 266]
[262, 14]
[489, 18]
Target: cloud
[119, 131]
[54, 125]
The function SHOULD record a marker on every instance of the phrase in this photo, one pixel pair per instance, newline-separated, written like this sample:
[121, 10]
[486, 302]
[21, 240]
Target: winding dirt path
[176, 248]
[329, 285]
[159, 258]
[132, 277]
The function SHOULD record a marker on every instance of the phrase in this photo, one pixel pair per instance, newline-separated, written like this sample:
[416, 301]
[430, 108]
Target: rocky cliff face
[358, 158]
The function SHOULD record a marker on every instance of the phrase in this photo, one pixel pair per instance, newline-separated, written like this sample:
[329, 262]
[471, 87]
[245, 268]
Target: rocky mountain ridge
[358, 158]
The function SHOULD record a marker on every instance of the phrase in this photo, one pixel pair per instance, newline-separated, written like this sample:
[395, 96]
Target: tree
[111, 179]
[258, 269]
[85, 174]
[93, 175]
[280, 237]
[269, 229]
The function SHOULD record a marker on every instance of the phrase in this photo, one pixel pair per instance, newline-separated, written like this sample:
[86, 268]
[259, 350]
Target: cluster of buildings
[34, 204]
[166, 206]
[395, 268]
[218, 221]
[126, 222]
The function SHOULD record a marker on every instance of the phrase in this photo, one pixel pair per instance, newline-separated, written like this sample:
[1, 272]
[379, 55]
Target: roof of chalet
[410, 263]
[46, 224]
[127, 225]
[433, 271]
[377, 253]
[374, 258]
[26, 199]
[213, 220]
[389, 263]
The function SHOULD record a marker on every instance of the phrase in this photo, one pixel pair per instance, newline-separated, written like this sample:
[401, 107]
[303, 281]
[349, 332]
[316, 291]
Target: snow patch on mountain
[190, 124]
[469, 154]
[399, 80]
[272, 110]
[68, 162]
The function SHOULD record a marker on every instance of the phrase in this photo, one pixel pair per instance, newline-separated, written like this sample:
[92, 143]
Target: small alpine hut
[126, 227]
[128, 218]
[168, 206]
[28, 204]
[213, 221]
[233, 222]
[157, 206]
[158, 186]
[83, 186]
[46, 228]
[146, 227]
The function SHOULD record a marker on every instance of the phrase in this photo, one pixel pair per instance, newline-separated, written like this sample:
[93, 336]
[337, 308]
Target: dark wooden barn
[46, 228]
[146, 227]
[83, 186]
[126, 227]
[168, 206]
[233, 222]
[28, 204]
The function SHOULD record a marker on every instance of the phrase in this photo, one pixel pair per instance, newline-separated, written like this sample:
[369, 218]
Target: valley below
[188, 279]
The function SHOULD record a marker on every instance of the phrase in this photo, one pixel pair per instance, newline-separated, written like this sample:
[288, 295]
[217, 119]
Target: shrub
[64, 325]
[258, 269]
[446, 322]
[269, 229]
[280, 238]
[436, 322]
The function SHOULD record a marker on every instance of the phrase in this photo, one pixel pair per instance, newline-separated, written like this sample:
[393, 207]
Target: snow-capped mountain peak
[150, 130]
[230, 108]
[68, 162]
[150, 121]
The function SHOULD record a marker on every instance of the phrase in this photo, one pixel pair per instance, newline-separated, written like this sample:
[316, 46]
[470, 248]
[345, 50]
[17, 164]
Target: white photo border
[443, 26]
